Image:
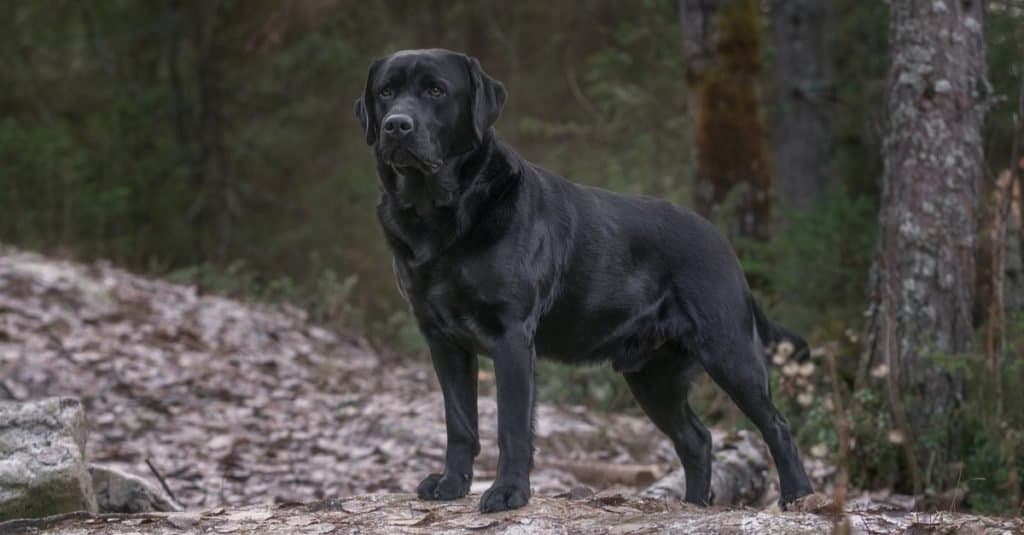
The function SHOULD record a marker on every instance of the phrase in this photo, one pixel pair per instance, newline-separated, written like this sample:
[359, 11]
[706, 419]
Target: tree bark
[934, 165]
[740, 473]
[603, 513]
[722, 47]
[804, 94]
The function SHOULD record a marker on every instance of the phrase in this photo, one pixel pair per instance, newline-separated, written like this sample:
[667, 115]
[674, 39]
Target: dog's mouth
[402, 158]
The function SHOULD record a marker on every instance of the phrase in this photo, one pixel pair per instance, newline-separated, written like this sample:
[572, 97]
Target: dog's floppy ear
[488, 98]
[364, 107]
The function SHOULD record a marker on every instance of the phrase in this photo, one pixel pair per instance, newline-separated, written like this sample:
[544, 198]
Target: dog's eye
[435, 91]
[386, 92]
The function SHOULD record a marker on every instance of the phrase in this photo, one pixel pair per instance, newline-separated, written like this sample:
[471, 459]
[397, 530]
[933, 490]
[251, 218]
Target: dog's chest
[453, 298]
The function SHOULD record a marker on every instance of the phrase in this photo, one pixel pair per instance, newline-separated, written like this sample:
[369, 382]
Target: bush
[812, 274]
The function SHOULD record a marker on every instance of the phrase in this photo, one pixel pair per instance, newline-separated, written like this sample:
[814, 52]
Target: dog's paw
[439, 487]
[702, 501]
[504, 497]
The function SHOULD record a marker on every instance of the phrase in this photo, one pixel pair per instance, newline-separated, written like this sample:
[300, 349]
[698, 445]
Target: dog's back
[638, 273]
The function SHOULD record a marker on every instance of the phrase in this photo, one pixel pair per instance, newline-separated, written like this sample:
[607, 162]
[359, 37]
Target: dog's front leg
[513, 370]
[457, 372]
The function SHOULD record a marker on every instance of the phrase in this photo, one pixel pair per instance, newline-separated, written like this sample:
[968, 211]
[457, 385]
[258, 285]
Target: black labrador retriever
[498, 256]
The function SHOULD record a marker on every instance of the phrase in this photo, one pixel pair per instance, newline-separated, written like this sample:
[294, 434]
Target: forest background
[213, 142]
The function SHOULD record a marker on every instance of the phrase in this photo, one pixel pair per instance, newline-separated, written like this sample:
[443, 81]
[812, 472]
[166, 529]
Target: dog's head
[420, 107]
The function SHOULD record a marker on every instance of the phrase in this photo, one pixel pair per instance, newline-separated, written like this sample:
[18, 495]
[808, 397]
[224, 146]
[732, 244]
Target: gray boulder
[42, 464]
[118, 491]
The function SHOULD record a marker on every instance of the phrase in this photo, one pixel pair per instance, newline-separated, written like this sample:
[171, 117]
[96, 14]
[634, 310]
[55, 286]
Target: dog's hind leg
[661, 387]
[735, 364]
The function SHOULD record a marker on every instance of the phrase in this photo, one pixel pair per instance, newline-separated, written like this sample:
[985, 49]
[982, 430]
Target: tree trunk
[599, 514]
[219, 201]
[722, 46]
[804, 94]
[925, 266]
[195, 56]
[740, 473]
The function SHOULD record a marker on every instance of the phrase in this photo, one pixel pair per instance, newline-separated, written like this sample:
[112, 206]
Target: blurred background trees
[213, 141]
[804, 87]
[723, 57]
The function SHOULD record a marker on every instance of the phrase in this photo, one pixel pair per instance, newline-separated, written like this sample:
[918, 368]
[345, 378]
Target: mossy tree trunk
[922, 309]
[722, 46]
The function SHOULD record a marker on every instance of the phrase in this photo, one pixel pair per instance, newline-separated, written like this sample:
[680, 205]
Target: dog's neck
[411, 189]
[423, 215]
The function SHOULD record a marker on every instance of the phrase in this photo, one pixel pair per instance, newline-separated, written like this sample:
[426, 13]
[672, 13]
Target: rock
[42, 465]
[118, 491]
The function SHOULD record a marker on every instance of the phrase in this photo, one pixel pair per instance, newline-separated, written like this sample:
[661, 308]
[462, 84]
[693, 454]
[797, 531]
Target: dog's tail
[772, 334]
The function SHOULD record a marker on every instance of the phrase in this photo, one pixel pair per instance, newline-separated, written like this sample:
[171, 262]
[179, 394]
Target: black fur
[500, 257]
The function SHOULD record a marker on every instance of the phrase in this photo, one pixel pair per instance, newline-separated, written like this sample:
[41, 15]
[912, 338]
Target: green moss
[43, 501]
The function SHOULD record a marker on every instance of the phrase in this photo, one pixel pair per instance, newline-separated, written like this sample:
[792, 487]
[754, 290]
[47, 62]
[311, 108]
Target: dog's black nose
[397, 125]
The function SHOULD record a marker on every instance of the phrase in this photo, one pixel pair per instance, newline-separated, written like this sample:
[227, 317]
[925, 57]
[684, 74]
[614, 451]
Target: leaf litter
[239, 403]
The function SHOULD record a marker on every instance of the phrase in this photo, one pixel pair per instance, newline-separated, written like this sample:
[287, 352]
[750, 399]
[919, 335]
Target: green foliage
[984, 430]
[991, 444]
[813, 273]
[874, 459]
[1006, 74]
[860, 46]
[988, 463]
[632, 120]
[593, 386]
